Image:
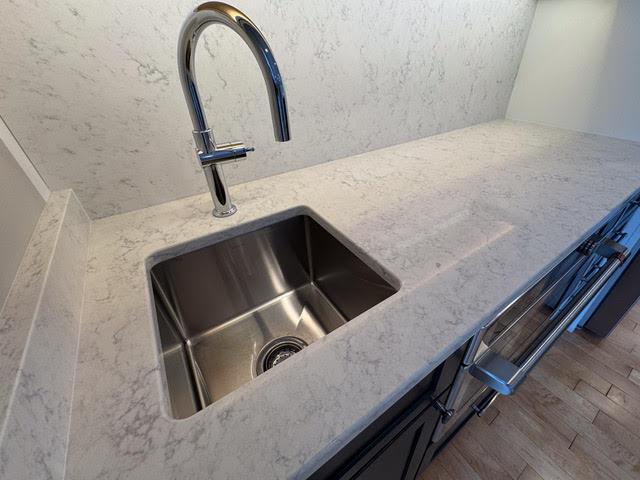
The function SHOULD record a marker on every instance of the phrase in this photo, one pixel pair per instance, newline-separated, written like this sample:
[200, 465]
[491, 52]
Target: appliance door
[520, 336]
[502, 354]
[610, 304]
[617, 300]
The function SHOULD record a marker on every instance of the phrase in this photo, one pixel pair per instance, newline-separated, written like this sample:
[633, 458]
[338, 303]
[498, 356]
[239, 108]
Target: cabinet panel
[400, 457]
[394, 460]
[420, 457]
[394, 446]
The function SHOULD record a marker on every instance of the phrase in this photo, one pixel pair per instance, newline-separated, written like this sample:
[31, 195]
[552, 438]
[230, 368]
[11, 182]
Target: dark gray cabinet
[398, 453]
[402, 457]
[395, 459]
[396, 445]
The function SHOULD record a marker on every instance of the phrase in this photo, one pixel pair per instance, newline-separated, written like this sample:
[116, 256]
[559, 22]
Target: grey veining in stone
[90, 87]
[39, 331]
[464, 220]
[17, 314]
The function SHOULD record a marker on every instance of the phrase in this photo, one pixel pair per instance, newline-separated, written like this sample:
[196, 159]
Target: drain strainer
[277, 351]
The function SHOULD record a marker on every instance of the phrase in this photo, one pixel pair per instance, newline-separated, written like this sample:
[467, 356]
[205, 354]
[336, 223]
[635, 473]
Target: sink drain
[277, 351]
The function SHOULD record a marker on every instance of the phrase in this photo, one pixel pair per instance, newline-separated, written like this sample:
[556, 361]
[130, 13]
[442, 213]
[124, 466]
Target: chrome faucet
[213, 156]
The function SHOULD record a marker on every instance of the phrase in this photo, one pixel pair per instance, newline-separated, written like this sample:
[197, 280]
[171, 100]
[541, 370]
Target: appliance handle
[502, 375]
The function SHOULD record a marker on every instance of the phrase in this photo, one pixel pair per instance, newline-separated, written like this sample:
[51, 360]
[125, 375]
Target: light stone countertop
[464, 220]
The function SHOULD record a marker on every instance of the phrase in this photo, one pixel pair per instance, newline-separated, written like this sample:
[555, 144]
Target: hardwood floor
[576, 417]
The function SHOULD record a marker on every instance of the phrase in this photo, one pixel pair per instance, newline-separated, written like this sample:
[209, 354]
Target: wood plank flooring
[576, 417]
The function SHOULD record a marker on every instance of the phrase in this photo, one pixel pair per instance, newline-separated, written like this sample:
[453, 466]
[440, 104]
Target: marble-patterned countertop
[464, 220]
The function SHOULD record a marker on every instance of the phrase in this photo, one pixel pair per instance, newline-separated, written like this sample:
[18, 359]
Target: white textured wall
[90, 87]
[20, 207]
[581, 68]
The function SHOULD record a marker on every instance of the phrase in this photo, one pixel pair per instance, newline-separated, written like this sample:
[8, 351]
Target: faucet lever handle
[225, 153]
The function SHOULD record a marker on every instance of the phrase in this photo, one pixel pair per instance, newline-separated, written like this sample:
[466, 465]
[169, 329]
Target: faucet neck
[221, 13]
[213, 156]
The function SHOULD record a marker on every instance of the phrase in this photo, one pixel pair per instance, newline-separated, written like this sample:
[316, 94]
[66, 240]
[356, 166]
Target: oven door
[501, 355]
[513, 344]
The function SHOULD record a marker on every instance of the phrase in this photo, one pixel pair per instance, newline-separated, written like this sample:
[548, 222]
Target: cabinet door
[394, 445]
[400, 458]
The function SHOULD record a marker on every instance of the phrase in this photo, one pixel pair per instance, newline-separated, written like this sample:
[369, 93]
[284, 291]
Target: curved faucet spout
[213, 156]
[218, 12]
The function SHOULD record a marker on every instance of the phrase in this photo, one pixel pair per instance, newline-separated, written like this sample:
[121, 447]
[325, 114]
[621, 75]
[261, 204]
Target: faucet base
[222, 204]
[224, 213]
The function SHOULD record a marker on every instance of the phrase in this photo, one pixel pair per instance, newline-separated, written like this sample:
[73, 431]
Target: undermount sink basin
[230, 311]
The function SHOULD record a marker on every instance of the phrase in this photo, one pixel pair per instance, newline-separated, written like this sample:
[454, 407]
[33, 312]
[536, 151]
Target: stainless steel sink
[230, 311]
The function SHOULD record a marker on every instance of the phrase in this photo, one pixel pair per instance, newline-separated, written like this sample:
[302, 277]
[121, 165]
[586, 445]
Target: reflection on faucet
[213, 156]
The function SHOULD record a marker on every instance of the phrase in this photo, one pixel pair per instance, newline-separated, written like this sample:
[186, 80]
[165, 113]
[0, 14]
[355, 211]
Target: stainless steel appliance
[622, 290]
[501, 354]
